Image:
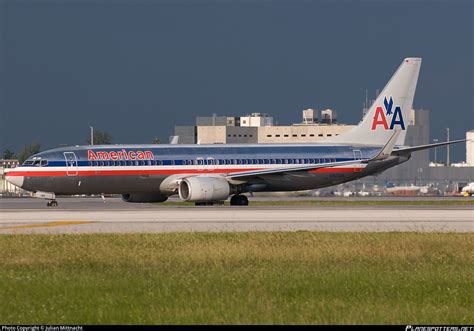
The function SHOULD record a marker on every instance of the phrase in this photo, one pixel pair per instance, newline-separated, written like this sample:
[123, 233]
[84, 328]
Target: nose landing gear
[52, 203]
[239, 200]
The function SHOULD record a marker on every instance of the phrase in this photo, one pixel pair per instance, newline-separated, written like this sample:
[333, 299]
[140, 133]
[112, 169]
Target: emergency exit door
[71, 163]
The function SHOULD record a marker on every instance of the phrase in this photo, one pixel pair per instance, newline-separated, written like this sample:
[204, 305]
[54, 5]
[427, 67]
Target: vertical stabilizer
[390, 111]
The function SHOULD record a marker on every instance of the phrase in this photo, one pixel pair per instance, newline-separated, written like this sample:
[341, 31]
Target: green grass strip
[237, 278]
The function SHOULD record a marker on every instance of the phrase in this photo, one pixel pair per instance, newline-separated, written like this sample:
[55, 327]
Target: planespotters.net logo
[439, 328]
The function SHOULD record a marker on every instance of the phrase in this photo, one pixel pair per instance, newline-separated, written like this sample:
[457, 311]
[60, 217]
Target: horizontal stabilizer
[408, 150]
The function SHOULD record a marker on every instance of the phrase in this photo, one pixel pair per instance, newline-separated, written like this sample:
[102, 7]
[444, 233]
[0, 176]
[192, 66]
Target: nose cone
[15, 180]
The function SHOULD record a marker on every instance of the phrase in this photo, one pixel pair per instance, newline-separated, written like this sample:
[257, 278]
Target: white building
[256, 119]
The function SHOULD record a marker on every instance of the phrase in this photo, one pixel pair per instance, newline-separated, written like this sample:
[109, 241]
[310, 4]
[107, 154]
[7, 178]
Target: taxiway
[114, 216]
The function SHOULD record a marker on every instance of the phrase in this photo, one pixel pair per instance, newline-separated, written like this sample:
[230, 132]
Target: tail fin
[390, 111]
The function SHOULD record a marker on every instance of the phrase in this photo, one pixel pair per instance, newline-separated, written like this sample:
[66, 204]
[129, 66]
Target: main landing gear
[52, 203]
[239, 200]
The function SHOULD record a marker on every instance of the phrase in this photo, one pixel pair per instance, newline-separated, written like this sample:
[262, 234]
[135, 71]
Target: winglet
[388, 148]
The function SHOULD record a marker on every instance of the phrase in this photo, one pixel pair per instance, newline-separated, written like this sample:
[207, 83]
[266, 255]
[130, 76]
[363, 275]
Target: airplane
[206, 174]
[468, 190]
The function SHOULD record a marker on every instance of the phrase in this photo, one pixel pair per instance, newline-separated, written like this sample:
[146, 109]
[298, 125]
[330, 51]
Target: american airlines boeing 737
[209, 173]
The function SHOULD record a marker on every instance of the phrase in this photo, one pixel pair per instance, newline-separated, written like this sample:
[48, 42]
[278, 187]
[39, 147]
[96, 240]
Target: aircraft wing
[384, 153]
[254, 173]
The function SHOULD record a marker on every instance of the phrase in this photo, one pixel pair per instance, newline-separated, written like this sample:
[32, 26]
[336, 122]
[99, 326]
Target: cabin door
[71, 163]
[357, 156]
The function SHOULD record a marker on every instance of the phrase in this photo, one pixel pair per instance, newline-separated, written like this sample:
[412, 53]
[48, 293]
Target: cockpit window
[36, 162]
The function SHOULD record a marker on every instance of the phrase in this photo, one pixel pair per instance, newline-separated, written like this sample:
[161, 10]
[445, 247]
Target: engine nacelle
[202, 189]
[144, 197]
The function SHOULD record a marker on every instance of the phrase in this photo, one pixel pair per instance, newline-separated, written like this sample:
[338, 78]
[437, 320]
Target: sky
[138, 68]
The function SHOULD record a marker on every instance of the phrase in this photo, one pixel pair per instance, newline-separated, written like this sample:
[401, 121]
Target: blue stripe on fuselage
[176, 154]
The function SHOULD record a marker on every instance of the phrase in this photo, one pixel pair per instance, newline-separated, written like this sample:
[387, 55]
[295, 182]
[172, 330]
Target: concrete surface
[114, 216]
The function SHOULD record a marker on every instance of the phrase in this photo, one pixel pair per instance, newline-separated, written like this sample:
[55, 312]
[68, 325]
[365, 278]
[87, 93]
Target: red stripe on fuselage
[88, 173]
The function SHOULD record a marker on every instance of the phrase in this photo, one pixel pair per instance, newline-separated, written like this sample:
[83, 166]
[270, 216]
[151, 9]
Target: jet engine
[200, 189]
[144, 197]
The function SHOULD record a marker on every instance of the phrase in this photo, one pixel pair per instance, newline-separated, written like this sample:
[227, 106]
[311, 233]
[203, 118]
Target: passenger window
[44, 163]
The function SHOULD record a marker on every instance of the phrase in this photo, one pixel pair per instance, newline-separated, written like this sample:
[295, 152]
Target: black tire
[239, 200]
[244, 200]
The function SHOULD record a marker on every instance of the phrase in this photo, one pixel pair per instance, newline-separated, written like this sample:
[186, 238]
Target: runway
[114, 216]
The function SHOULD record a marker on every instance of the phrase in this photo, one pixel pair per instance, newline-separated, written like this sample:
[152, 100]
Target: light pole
[447, 147]
[435, 140]
[92, 135]
[420, 171]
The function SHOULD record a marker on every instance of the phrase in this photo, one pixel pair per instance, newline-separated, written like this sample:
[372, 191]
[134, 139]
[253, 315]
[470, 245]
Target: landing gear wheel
[52, 203]
[239, 200]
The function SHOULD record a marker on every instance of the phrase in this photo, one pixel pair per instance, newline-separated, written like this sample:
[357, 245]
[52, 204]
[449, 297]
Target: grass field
[222, 278]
